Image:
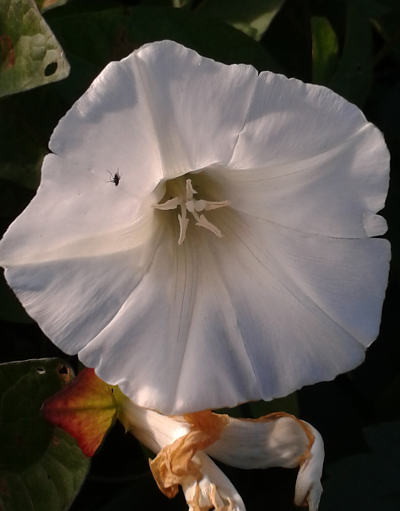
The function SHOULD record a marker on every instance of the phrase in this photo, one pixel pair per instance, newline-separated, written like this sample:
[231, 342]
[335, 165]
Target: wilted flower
[202, 234]
[276, 440]
[86, 407]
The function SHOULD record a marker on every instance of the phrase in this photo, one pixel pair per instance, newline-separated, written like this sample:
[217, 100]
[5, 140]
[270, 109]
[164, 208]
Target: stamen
[209, 205]
[194, 207]
[169, 204]
[190, 191]
[183, 224]
[203, 222]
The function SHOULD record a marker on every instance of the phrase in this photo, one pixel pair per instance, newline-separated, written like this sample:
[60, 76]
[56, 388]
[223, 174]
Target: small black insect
[116, 178]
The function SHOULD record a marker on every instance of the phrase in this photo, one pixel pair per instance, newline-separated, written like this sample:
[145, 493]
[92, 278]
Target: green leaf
[29, 53]
[41, 467]
[353, 76]
[367, 481]
[252, 17]
[324, 50]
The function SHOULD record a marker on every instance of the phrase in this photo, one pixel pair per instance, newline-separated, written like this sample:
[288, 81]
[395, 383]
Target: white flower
[275, 440]
[202, 234]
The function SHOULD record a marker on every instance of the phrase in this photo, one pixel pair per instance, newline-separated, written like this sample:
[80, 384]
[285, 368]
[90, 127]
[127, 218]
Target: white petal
[139, 118]
[314, 163]
[148, 318]
[109, 129]
[308, 486]
[305, 306]
[78, 213]
[75, 299]
[276, 440]
[213, 491]
[198, 106]
[147, 110]
[282, 310]
[341, 279]
[152, 429]
[171, 339]
[141, 348]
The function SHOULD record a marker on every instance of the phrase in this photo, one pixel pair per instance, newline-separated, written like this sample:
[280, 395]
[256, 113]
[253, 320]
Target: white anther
[209, 205]
[169, 204]
[203, 222]
[190, 191]
[183, 225]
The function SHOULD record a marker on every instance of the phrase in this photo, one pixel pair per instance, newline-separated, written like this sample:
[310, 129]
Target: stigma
[192, 208]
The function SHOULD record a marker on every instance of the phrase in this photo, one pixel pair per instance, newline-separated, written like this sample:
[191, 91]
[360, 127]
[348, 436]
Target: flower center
[187, 204]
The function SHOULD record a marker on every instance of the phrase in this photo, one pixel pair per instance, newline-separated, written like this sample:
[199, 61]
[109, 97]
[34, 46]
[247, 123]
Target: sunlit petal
[276, 440]
[150, 109]
[315, 163]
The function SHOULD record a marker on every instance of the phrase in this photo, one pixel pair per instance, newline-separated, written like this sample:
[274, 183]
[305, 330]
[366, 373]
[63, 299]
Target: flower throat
[188, 204]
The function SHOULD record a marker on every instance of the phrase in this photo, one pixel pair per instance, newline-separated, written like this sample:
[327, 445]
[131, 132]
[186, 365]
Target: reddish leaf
[85, 408]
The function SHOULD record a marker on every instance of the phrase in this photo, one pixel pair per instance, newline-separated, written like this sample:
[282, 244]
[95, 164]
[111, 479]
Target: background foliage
[351, 46]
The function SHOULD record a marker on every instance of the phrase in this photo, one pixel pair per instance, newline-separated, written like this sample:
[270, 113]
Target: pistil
[188, 204]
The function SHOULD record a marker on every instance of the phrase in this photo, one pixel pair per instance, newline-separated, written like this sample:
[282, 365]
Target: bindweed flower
[203, 234]
[86, 408]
